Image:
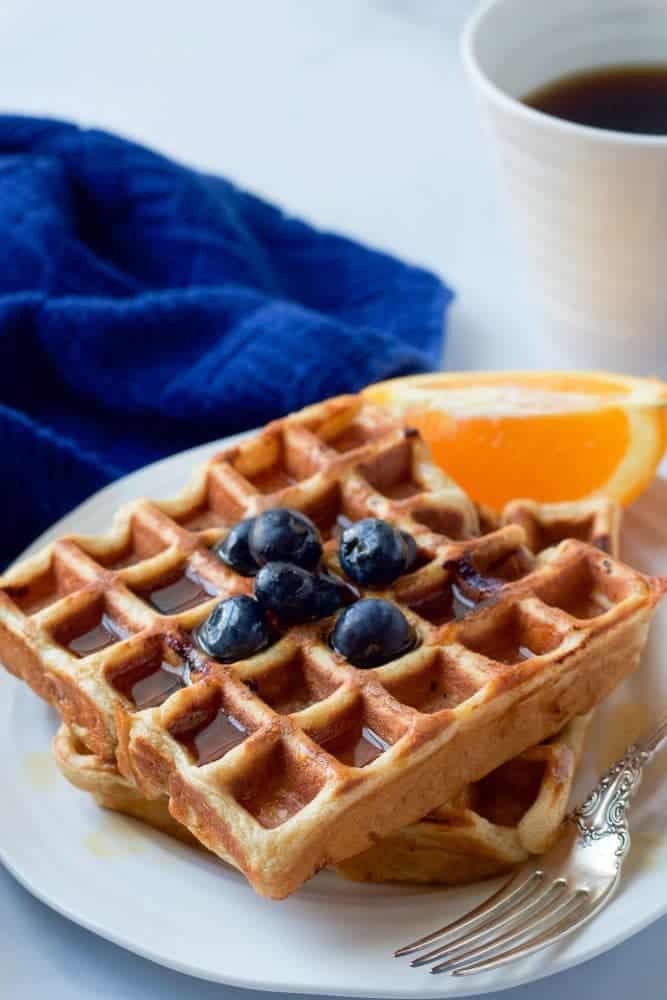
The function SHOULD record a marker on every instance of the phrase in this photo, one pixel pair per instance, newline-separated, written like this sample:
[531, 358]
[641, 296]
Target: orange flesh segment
[533, 434]
[548, 457]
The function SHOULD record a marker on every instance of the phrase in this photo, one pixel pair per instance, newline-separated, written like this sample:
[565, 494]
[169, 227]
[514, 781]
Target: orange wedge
[546, 435]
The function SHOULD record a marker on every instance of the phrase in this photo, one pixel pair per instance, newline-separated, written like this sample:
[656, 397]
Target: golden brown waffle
[517, 809]
[102, 780]
[493, 824]
[596, 521]
[294, 758]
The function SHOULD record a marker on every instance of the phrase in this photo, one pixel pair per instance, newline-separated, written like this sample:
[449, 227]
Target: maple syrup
[463, 604]
[179, 593]
[216, 738]
[436, 608]
[358, 749]
[105, 633]
[150, 682]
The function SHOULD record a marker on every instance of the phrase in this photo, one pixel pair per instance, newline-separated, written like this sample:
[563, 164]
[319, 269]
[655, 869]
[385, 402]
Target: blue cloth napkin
[146, 307]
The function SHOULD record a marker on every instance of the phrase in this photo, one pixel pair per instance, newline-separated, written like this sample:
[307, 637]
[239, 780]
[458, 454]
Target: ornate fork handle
[605, 811]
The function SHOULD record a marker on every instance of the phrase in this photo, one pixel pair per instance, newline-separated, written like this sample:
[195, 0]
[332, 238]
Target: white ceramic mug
[589, 206]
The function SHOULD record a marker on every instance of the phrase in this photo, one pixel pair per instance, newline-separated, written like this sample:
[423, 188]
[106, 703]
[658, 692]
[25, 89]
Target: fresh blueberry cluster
[296, 595]
[282, 549]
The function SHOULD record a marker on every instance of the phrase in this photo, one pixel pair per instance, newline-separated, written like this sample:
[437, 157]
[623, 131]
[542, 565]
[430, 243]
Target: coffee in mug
[625, 98]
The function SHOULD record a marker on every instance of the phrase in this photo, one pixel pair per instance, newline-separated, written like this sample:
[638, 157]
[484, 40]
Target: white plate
[176, 906]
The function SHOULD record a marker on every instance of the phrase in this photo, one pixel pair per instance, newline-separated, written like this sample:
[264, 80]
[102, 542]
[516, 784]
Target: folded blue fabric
[146, 307]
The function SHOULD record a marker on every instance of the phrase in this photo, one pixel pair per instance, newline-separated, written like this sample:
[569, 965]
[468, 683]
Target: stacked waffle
[294, 759]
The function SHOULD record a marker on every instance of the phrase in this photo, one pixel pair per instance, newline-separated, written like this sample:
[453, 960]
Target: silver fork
[547, 899]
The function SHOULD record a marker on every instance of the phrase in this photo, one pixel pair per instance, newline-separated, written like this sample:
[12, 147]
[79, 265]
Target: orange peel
[551, 436]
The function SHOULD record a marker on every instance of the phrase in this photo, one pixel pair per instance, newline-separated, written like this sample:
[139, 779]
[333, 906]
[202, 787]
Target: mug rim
[542, 119]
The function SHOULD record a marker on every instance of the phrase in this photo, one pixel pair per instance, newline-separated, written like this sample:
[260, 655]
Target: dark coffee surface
[628, 98]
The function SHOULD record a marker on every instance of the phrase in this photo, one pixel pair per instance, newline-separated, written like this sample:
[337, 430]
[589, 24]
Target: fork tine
[518, 911]
[578, 915]
[497, 901]
[519, 926]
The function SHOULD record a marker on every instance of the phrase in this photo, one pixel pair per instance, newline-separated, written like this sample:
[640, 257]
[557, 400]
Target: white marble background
[354, 114]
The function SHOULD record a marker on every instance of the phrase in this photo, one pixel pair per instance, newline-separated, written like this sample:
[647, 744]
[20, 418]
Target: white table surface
[355, 115]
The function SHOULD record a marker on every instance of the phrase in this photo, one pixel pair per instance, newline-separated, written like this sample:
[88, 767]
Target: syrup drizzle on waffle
[250, 749]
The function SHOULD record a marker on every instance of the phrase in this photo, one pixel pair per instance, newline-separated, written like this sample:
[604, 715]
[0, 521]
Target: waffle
[102, 780]
[516, 810]
[294, 759]
[493, 824]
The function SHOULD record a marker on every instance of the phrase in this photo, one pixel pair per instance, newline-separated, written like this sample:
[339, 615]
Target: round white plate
[178, 907]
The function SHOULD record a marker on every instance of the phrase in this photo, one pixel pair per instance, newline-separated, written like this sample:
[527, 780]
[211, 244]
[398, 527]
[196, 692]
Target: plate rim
[300, 988]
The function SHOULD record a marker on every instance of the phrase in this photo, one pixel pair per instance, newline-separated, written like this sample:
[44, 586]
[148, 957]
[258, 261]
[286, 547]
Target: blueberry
[283, 535]
[234, 630]
[410, 551]
[372, 632]
[286, 590]
[372, 552]
[294, 594]
[331, 594]
[234, 551]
